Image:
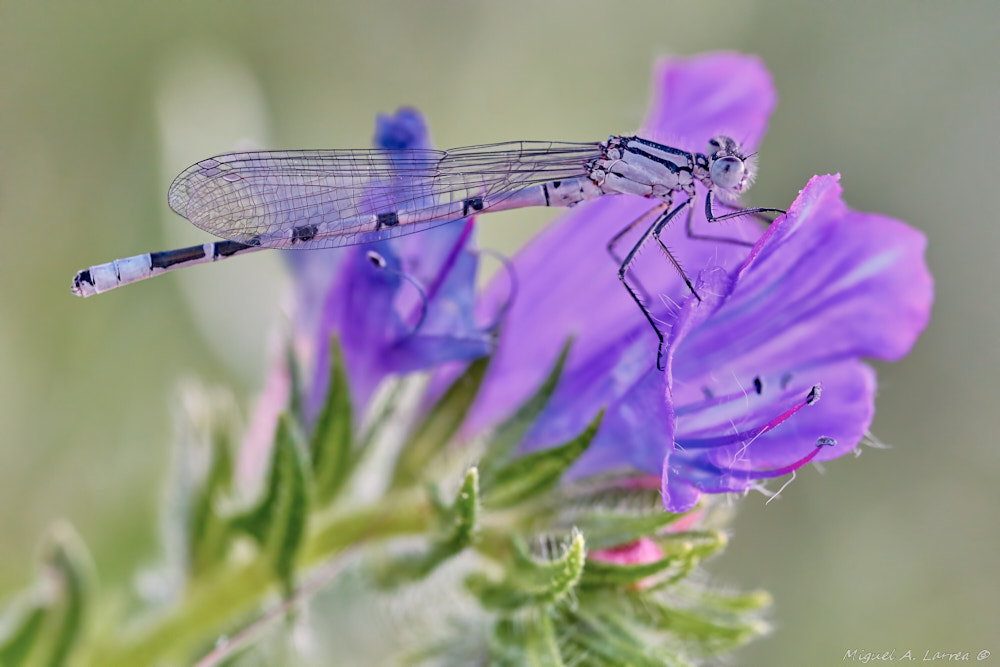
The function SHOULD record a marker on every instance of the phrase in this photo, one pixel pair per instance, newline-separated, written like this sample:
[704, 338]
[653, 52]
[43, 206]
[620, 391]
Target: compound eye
[727, 172]
[721, 143]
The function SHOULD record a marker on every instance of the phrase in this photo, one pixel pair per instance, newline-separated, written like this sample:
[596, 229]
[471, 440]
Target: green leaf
[532, 475]
[605, 529]
[735, 603]
[49, 631]
[509, 434]
[22, 638]
[688, 549]
[288, 526]
[69, 560]
[532, 582]
[278, 522]
[541, 647]
[294, 381]
[704, 630]
[440, 425]
[527, 641]
[611, 640]
[693, 545]
[465, 512]
[52, 622]
[460, 522]
[208, 532]
[332, 442]
[603, 573]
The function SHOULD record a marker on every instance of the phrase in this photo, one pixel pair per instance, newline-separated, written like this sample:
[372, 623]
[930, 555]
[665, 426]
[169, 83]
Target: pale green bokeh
[892, 550]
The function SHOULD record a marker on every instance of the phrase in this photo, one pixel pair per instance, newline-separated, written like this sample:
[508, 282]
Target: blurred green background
[102, 103]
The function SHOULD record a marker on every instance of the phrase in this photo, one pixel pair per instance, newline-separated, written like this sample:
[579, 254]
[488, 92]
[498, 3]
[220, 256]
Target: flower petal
[739, 458]
[399, 305]
[825, 283]
[716, 93]
[568, 281]
[637, 427]
[823, 287]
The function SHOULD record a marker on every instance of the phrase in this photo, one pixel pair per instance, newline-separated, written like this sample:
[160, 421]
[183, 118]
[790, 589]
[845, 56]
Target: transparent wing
[330, 198]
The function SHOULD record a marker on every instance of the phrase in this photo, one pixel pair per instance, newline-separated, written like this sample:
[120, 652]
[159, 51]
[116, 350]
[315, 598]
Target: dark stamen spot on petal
[825, 441]
[785, 380]
[813, 395]
[708, 393]
[376, 259]
[758, 385]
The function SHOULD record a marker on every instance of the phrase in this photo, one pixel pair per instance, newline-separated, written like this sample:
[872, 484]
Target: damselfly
[333, 198]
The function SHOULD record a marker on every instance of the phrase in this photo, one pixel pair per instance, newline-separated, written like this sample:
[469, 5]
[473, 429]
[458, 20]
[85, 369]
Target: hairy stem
[229, 598]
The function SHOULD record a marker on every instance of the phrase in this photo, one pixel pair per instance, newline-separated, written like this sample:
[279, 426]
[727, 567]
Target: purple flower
[395, 306]
[823, 287]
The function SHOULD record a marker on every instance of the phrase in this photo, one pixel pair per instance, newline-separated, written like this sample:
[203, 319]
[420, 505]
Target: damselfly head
[730, 170]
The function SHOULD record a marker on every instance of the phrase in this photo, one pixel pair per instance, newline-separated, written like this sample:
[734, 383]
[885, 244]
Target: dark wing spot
[474, 204]
[304, 233]
[390, 219]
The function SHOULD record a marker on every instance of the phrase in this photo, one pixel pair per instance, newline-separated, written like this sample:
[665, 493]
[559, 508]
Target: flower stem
[224, 600]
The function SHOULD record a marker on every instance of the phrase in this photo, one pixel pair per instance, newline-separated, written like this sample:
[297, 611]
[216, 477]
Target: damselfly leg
[710, 216]
[658, 225]
[633, 285]
[616, 239]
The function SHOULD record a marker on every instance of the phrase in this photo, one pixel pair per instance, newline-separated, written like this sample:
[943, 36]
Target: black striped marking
[227, 248]
[387, 220]
[545, 189]
[671, 167]
[660, 147]
[168, 258]
[473, 203]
